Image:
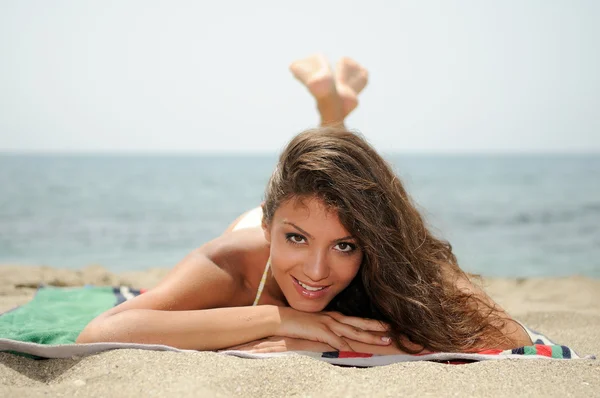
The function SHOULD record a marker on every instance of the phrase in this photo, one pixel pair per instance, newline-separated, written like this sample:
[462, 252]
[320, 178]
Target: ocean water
[505, 215]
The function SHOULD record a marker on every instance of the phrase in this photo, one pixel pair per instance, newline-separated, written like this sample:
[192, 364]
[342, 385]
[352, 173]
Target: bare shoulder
[469, 285]
[212, 276]
[241, 253]
[516, 335]
[224, 269]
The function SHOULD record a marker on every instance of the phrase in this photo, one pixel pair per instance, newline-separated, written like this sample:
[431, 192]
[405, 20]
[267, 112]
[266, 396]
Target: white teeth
[310, 288]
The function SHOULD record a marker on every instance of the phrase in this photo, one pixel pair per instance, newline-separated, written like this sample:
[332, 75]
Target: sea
[505, 215]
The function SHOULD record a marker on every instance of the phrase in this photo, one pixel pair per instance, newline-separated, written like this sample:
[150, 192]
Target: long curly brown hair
[407, 278]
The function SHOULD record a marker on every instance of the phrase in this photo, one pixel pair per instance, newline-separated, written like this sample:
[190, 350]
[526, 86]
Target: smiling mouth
[309, 287]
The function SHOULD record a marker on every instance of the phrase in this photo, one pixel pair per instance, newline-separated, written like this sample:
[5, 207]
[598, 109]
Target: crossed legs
[336, 95]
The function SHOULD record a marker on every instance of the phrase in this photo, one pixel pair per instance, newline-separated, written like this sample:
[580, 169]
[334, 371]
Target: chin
[307, 306]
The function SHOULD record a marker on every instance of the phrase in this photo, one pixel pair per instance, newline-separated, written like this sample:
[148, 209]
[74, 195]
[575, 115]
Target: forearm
[365, 348]
[379, 350]
[206, 330]
[291, 344]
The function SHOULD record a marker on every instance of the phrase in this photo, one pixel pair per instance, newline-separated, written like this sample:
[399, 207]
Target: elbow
[93, 332]
[87, 335]
[84, 337]
[122, 327]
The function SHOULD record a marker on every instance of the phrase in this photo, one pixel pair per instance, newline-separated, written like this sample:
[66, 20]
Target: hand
[331, 328]
[281, 344]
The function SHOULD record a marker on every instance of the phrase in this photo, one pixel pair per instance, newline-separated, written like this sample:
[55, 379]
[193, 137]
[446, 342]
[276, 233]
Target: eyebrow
[312, 237]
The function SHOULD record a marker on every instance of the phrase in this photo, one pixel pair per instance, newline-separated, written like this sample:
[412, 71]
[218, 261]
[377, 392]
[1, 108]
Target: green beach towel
[58, 315]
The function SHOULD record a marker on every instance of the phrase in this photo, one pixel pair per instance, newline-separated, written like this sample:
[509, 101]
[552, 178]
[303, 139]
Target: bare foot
[314, 72]
[351, 79]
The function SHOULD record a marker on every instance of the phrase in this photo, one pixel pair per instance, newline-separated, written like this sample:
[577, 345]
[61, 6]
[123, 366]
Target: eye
[345, 247]
[296, 239]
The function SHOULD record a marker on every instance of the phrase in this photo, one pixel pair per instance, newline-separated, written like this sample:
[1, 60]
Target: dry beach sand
[565, 309]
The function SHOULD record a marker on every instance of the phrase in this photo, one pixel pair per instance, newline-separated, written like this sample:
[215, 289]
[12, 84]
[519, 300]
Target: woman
[337, 257]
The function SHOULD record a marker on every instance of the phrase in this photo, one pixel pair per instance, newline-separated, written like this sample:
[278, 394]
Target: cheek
[283, 255]
[346, 268]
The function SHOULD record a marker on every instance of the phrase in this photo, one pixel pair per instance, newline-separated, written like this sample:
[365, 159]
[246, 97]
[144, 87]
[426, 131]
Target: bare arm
[186, 311]
[202, 306]
[515, 334]
[282, 344]
[209, 329]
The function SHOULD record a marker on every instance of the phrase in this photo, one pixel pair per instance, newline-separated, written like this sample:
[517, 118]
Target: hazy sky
[446, 76]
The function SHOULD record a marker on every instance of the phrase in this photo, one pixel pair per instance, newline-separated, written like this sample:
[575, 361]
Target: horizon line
[138, 152]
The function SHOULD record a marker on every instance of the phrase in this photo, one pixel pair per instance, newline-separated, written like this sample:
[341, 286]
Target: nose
[316, 267]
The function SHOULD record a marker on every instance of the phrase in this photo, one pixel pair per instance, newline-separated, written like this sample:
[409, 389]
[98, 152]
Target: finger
[235, 347]
[246, 346]
[361, 323]
[336, 341]
[267, 350]
[357, 334]
[241, 347]
[375, 325]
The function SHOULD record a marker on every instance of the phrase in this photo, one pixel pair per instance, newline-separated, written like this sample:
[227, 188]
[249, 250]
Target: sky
[198, 76]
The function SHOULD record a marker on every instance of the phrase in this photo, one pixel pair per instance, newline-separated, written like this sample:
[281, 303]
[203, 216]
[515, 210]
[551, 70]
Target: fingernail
[386, 339]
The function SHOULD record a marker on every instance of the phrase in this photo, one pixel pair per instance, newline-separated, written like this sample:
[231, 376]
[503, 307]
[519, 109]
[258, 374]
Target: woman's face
[313, 257]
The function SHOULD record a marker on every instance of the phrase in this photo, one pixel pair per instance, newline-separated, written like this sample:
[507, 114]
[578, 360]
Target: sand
[565, 309]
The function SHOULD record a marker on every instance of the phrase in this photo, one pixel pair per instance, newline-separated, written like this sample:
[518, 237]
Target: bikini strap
[261, 286]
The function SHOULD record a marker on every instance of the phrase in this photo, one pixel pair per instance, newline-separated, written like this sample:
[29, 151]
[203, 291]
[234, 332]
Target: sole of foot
[350, 79]
[315, 73]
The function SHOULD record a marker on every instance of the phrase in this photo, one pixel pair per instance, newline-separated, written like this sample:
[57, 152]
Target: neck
[273, 290]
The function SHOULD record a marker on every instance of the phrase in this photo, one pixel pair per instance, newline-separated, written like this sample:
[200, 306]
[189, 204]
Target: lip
[309, 294]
